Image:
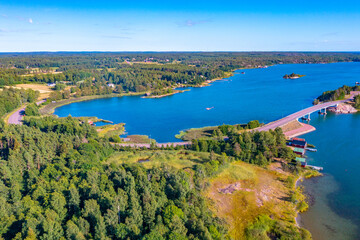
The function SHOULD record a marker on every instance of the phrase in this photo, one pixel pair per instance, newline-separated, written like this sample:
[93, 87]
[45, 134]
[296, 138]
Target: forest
[55, 178]
[338, 94]
[54, 185]
[140, 72]
[86, 74]
[11, 98]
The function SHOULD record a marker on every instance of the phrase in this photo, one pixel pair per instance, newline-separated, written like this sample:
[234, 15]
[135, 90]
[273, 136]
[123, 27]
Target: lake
[264, 95]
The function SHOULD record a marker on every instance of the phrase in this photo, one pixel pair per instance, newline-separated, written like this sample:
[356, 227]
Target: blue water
[260, 94]
[337, 207]
[264, 95]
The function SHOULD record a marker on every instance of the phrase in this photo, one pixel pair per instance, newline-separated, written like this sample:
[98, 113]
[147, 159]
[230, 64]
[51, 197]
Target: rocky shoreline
[342, 108]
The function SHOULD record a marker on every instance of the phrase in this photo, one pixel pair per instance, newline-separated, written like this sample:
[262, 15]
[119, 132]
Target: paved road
[16, 117]
[299, 114]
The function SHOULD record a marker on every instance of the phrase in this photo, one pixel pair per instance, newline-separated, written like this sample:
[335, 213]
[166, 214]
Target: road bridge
[300, 114]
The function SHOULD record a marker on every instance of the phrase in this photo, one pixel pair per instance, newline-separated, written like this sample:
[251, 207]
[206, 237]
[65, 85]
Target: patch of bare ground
[291, 126]
[42, 88]
[240, 201]
[343, 108]
[296, 128]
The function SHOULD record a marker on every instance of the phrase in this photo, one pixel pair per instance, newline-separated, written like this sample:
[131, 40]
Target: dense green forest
[54, 185]
[55, 182]
[338, 94]
[11, 98]
[93, 73]
[228, 60]
[258, 148]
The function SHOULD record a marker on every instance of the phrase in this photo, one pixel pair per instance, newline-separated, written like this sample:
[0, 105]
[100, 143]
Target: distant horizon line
[150, 51]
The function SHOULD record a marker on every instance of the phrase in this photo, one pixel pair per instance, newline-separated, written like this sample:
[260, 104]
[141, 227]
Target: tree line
[12, 98]
[334, 95]
[253, 147]
[54, 185]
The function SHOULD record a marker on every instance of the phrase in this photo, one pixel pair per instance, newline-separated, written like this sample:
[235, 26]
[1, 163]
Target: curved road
[16, 117]
[299, 114]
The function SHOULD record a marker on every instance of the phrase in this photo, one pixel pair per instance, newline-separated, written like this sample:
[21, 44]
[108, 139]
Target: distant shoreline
[50, 108]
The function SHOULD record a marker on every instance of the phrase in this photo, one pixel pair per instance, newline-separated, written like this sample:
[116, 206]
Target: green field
[154, 158]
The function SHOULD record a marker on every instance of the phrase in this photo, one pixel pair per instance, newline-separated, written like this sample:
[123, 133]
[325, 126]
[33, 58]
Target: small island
[292, 76]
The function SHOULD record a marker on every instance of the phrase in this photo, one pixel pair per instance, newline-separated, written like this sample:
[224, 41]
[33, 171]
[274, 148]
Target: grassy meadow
[239, 192]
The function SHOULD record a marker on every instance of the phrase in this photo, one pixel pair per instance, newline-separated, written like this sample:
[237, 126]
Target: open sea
[264, 95]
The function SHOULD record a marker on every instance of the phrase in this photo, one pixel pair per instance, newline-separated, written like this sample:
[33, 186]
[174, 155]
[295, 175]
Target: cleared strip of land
[148, 145]
[296, 128]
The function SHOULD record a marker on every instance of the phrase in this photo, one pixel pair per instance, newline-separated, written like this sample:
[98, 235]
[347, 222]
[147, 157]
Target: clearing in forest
[42, 88]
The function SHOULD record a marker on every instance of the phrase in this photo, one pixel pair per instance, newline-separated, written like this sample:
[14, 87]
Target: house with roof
[302, 161]
[299, 151]
[298, 142]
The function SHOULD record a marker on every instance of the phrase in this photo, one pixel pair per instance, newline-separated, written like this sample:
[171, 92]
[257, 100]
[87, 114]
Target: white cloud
[30, 20]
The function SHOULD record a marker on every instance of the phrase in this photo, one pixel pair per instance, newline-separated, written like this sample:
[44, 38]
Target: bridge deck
[299, 114]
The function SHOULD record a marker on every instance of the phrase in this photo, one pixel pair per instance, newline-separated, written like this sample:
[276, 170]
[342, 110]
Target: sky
[104, 25]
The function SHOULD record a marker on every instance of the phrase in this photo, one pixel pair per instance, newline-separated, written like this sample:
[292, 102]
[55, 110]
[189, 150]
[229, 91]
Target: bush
[32, 110]
[115, 139]
[253, 124]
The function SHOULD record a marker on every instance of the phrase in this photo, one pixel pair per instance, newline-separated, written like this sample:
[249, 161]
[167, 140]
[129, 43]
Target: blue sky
[179, 25]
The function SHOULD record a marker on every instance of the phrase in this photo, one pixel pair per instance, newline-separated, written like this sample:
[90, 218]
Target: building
[302, 161]
[299, 151]
[298, 143]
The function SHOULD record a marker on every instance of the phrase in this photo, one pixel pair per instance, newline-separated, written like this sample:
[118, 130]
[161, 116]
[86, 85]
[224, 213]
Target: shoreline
[298, 217]
[50, 108]
[165, 95]
[207, 82]
[304, 129]
[298, 181]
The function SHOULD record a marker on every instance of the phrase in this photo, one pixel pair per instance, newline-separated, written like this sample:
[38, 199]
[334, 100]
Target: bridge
[301, 114]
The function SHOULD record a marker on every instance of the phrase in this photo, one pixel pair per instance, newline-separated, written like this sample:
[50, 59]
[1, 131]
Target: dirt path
[147, 145]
